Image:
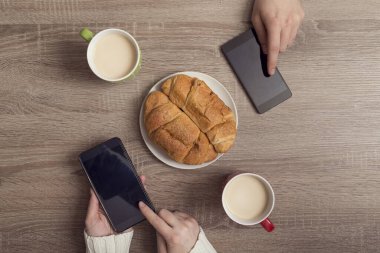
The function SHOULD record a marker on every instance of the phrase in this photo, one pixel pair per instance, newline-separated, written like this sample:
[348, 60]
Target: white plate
[216, 87]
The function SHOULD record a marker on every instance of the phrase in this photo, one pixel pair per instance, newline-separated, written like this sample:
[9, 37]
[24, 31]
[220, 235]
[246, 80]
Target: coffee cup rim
[101, 33]
[248, 222]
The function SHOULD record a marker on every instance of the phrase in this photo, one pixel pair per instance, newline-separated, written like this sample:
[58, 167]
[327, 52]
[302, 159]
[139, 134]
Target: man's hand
[177, 232]
[276, 23]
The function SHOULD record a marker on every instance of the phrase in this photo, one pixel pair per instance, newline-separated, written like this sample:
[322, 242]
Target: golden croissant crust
[175, 132]
[205, 108]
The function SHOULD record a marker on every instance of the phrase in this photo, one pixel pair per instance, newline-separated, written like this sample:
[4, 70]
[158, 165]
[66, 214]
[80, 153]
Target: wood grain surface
[320, 150]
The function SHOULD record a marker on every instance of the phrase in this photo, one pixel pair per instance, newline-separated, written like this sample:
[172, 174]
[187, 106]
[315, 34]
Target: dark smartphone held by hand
[250, 66]
[116, 183]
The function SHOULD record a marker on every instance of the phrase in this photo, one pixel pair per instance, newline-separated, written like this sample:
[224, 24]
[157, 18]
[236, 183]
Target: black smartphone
[250, 66]
[116, 183]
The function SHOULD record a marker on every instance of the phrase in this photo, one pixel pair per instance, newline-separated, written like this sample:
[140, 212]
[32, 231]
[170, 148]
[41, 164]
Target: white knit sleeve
[119, 243]
[203, 245]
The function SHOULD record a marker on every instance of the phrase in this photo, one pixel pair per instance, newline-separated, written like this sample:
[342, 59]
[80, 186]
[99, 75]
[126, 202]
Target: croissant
[205, 108]
[175, 132]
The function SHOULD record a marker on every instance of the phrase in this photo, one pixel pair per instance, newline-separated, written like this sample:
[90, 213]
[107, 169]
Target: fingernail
[271, 72]
[142, 204]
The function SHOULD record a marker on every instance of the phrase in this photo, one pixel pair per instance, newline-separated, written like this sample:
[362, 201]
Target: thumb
[93, 205]
[161, 244]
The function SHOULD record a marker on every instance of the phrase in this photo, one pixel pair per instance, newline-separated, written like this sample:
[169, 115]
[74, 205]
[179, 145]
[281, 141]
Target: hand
[177, 232]
[96, 221]
[276, 23]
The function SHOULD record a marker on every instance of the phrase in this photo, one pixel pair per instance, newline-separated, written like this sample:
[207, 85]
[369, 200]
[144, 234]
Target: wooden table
[320, 149]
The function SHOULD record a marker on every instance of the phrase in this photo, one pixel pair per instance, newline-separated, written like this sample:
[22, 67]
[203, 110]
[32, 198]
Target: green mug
[92, 39]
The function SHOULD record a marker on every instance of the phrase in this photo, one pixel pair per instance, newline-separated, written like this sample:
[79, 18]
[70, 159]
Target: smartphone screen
[116, 183]
[250, 66]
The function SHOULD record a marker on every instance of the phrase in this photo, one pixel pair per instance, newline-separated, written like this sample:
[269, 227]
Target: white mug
[92, 39]
[263, 217]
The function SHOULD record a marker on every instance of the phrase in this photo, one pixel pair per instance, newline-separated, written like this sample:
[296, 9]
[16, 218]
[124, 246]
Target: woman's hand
[276, 23]
[96, 221]
[177, 232]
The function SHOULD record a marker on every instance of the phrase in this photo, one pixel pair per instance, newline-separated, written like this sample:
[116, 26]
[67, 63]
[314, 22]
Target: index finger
[159, 224]
[274, 32]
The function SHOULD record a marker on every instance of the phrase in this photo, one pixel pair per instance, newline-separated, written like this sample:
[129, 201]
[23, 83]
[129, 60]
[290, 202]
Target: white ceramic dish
[216, 87]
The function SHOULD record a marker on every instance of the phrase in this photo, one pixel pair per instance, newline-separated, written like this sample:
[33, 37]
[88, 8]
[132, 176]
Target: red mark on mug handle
[267, 225]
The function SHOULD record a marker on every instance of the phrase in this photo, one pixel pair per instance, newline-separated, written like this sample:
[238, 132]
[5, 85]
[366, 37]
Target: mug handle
[267, 225]
[86, 34]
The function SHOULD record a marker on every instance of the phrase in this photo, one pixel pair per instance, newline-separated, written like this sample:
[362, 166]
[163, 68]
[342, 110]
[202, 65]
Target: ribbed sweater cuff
[119, 243]
[203, 245]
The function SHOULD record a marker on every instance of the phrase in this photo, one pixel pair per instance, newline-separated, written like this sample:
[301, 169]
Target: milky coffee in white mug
[248, 199]
[113, 54]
